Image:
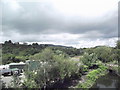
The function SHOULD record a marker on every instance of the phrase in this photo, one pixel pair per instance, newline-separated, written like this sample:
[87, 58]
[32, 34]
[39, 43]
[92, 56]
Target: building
[20, 65]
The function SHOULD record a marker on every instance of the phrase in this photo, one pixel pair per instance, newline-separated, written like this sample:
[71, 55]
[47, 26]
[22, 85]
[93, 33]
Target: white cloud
[78, 23]
[85, 8]
[78, 41]
[13, 4]
[92, 43]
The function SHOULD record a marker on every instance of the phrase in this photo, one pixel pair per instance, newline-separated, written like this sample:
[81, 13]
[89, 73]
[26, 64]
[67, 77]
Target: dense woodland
[15, 52]
[55, 64]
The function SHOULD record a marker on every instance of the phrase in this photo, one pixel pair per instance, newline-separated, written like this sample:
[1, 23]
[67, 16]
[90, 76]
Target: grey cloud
[42, 18]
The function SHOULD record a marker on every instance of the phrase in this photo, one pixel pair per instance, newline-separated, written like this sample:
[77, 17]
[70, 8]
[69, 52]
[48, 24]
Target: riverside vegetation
[92, 76]
[54, 63]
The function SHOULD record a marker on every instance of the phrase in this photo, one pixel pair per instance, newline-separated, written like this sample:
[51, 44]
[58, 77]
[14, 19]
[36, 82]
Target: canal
[110, 80]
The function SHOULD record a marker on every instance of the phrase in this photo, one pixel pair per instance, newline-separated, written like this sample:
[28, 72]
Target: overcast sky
[77, 23]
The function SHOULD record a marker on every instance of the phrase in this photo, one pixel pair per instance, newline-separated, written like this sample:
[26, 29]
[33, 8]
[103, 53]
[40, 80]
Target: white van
[4, 70]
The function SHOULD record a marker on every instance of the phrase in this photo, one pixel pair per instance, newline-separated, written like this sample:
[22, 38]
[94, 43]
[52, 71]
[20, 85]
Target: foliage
[118, 44]
[52, 67]
[83, 69]
[118, 51]
[29, 81]
[16, 82]
[45, 55]
[21, 52]
[105, 54]
[29, 84]
[92, 76]
[69, 50]
[54, 63]
[9, 58]
[89, 60]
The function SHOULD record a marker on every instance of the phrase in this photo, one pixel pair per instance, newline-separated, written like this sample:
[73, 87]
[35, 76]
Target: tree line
[15, 52]
[55, 65]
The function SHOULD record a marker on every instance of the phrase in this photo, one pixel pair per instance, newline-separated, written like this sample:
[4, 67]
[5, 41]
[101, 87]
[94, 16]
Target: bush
[104, 53]
[92, 76]
[89, 59]
[83, 69]
[52, 68]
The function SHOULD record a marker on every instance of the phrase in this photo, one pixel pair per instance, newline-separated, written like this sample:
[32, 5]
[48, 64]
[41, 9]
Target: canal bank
[110, 80]
[92, 78]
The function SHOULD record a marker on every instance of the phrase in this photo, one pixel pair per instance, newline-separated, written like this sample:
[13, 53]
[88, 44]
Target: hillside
[15, 52]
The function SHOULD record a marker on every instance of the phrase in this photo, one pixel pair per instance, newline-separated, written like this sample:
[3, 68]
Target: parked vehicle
[12, 68]
[15, 71]
[6, 72]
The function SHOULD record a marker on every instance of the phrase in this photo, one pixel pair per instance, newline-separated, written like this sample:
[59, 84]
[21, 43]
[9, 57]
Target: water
[108, 81]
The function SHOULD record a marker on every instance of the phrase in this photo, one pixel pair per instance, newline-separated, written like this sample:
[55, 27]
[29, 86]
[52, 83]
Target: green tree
[89, 59]
[52, 67]
[118, 44]
[103, 53]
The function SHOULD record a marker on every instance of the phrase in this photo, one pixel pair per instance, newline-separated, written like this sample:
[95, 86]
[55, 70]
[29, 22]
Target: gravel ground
[8, 79]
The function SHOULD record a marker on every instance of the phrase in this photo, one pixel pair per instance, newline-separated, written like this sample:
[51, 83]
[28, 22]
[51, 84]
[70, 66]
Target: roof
[15, 69]
[21, 63]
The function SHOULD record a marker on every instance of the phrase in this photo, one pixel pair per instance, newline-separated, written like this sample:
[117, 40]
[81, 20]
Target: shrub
[89, 59]
[52, 68]
[83, 69]
[92, 76]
